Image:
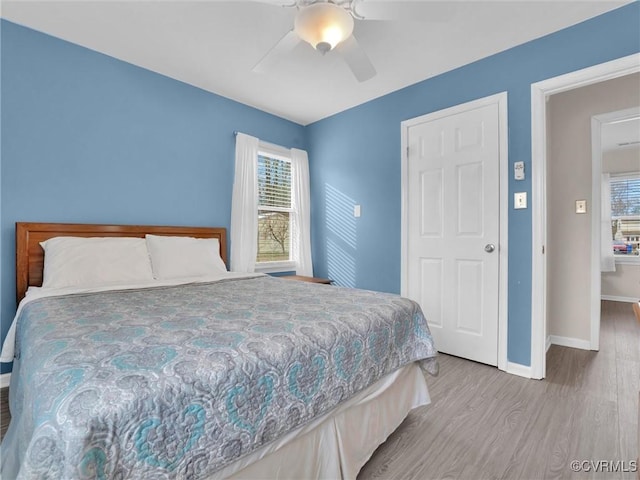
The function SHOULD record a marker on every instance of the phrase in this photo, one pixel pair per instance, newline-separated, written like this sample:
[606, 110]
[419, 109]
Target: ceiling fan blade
[357, 59]
[410, 11]
[281, 49]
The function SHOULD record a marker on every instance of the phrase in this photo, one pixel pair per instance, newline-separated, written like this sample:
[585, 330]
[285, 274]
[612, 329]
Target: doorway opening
[541, 96]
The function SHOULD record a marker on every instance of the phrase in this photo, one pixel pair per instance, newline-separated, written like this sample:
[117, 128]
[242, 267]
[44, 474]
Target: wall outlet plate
[581, 206]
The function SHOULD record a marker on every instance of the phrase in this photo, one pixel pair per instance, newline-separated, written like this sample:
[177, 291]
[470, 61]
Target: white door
[453, 229]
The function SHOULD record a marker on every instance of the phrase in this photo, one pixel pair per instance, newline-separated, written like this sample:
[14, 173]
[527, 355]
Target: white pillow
[178, 257]
[95, 261]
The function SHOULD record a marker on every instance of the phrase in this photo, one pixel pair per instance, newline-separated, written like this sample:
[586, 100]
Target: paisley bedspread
[177, 382]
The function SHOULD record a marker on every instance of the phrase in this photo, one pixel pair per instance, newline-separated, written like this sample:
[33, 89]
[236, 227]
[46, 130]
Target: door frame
[540, 92]
[597, 121]
[503, 252]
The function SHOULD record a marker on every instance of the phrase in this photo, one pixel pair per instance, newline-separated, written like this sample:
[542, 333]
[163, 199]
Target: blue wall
[355, 159]
[87, 138]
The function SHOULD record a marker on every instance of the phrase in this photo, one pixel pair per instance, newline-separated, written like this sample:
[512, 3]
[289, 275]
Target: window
[275, 212]
[270, 209]
[625, 215]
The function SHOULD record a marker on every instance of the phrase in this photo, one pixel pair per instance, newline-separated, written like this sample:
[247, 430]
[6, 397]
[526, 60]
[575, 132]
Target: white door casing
[451, 213]
[540, 92]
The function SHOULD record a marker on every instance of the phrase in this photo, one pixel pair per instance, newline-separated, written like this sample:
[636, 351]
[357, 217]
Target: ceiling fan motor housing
[323, 47]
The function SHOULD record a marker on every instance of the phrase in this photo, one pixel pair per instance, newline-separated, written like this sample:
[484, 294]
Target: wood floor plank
[627, 346]
[628, 374]
[596, 436]
[544, 445]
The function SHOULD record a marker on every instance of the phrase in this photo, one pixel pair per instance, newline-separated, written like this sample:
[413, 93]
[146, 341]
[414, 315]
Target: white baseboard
[548, 344]
[570, 342]
[5, 379]
[615, 298]
[517, 369]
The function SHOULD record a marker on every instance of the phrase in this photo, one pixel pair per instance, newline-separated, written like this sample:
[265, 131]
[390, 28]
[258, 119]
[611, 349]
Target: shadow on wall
[341, 237]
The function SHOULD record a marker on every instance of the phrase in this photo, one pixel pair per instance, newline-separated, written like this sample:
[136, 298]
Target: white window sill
[627, 260]
[275, 267]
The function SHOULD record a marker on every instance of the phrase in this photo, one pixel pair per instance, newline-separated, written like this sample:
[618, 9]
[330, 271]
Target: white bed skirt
[338, 444]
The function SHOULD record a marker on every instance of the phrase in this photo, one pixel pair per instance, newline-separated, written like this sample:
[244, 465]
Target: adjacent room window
[275, 208]
[625, 215]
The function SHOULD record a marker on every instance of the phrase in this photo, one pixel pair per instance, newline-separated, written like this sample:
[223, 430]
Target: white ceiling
[214, 45]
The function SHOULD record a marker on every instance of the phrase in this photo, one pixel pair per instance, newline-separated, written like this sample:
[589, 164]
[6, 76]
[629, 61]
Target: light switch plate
[356, 211]
[581, 206]
[520, 200]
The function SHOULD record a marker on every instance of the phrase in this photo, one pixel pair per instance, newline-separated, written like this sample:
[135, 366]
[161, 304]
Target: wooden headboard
[30, 256]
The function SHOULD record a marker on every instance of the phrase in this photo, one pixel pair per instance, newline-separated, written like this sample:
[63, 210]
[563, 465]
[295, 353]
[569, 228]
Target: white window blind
[274, 208]
[274, 182]
[625, 196]
[625, 214]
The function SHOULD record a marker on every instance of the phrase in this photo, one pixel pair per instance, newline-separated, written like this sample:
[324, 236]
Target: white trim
[5, 380]
[596, 124]
[597, 121]
[548, 343]
[538, 232]
[628, 260]
[283, 154]
[275, 209]
[596, 231]
[539, 93]
[517, 369]
[272, 150]
[501, 100]
[628, 175]
[404, 212]
[275, 267]
[616, 298]
[503, 307]
[590, 75]
[570, 342]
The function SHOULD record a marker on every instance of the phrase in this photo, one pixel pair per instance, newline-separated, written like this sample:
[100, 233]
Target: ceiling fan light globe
[323, 23]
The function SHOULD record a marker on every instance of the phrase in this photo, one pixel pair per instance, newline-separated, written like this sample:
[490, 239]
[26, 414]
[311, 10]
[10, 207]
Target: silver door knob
[489, 247]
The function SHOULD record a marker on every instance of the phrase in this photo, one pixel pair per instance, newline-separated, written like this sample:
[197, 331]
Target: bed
[223, 376]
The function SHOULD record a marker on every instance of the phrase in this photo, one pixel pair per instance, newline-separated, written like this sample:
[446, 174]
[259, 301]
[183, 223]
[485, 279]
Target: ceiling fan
[327, 25]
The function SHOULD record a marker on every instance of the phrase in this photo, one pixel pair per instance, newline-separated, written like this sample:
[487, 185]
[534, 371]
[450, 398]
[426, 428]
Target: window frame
[625, 259]
[278, 153]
